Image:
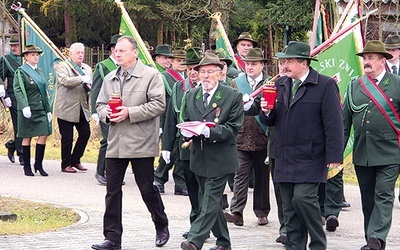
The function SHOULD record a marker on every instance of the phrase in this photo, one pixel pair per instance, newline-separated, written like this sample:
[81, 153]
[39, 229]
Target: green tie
[295, 87]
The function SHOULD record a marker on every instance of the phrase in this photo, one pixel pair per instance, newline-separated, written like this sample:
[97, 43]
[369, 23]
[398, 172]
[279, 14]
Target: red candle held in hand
[114, 102]
[269, 94]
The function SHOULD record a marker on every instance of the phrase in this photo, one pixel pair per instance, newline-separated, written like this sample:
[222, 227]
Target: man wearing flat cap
[162, 57]
[252, 148]
[308, 140]
[8, 65]
[371, 106]
[213, 153]
[392, 45]
[102, 69]
[242, 45]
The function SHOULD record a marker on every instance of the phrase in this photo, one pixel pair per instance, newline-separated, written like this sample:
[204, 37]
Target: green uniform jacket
[6, 72]
[173, 115]
[38, 123]
[217, 155]
[99, 73]
[375, 141]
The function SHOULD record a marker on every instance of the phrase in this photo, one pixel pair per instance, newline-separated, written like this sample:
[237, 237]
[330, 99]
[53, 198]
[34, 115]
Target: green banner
[341, 63]
[126, 30]
[46, 61]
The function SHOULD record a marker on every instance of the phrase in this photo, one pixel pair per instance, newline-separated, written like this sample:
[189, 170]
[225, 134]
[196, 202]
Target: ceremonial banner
[343, 65]
[128, 28]
[47, 58]
[222, 43]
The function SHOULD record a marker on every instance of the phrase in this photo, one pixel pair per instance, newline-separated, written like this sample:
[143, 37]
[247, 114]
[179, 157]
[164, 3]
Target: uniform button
[369, 111]
[367, 132]
[367, 121]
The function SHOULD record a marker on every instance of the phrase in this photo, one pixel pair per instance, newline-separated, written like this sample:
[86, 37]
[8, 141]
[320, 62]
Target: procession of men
[184, 114]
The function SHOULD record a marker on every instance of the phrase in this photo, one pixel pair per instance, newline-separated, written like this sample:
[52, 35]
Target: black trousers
[66, 128]
[143, 169]
[14, 118]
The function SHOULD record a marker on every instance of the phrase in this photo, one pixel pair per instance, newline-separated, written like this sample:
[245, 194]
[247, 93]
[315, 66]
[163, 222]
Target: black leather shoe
[185, 235]
[224, 202]
[183, 192]
[374, 243]
[281, 238]
[107, 245]
[186, 245]
[332, 223]
[10, 155]
[101, 179]
[346, 204]
[162, 236]
[160, 187]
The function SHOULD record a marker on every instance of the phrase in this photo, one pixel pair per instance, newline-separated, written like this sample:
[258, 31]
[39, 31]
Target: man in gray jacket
[132, 138]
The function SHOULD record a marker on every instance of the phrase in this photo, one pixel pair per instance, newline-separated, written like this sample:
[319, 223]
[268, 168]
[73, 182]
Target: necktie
[205, 96]
[295, 87]
[375, 80]
[394, 69]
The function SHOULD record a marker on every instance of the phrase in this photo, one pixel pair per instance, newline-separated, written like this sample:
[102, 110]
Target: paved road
[81, 192]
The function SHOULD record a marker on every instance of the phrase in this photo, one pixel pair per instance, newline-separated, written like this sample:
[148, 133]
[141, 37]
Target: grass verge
[33, 217]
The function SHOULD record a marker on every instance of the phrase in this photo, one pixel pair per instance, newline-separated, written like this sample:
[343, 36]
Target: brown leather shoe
[79, 167]
[262, 220]
[68, 169]
[220, 248]
[234, 218]
[186, 245]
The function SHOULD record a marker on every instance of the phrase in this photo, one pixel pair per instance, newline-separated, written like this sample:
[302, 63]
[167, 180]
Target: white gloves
[166, 155]
[86, 79]
[248, 101]
[49, 116]
[96, 118]
[206, 132]
[160, 132]
[8, 102]
[186, 134]
[27, 112]
[2, 91]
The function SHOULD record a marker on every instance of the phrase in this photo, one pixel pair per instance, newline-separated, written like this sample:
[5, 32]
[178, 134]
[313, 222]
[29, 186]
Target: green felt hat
[392, 42]
[255, 55]
[163, 49]
[192, 56]
[179, 53]
[375, 47]
[296, 50]
[13, 39]
[114, 40]
[244, 36]
[30, 48]
[209, 59]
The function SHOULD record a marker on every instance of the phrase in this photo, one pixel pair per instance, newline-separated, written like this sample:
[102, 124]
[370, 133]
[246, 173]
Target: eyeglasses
[210, 71]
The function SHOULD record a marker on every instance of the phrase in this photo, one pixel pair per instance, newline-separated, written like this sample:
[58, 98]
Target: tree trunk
[160, 30]
[70, 29]
[223, 6]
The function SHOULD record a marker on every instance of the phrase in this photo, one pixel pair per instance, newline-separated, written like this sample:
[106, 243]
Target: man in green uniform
[171, 76]
[213, 153]
[8, 65]
[162, 57]
[102, 69]
[371, 106]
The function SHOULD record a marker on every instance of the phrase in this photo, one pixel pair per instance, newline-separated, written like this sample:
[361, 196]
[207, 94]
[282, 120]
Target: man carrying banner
[372, 107]
[101, 70]
[8, 65]
[72, 107]
[392, 45]
[172, 75]
[308, 140]
[242, 46]
[162, 57]
[252, 148]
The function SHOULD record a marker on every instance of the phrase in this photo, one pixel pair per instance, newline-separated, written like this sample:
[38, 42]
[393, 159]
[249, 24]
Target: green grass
[34, 217]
